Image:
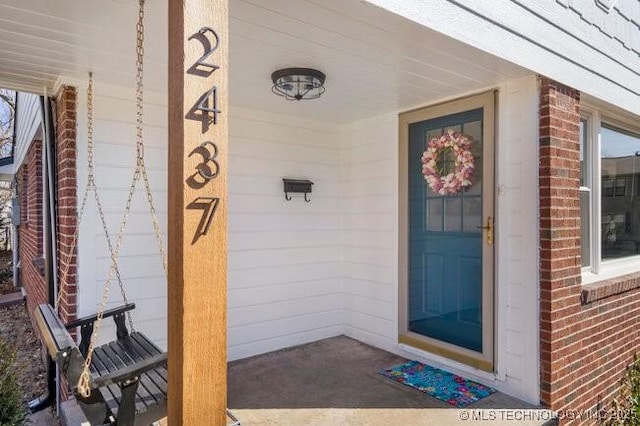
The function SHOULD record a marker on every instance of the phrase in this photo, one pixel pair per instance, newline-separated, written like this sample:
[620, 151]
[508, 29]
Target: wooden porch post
[198, 113]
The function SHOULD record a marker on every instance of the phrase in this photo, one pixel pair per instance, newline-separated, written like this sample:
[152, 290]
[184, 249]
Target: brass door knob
[489, 229]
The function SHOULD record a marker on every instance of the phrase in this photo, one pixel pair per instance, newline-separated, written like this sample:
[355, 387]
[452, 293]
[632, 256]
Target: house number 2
[209, 167]
[208, 49]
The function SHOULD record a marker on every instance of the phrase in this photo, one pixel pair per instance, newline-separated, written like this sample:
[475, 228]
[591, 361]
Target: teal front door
[449, 201]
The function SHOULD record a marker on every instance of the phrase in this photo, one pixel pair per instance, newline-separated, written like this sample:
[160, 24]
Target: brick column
[560, 279]
[66, 197]
[588, 333]
[65, 120]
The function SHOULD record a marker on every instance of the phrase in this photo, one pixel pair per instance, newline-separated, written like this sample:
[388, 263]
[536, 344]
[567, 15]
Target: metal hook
[305, 198]
[287, 196]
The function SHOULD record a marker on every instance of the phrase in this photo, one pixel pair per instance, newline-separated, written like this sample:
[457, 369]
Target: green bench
[129, 374]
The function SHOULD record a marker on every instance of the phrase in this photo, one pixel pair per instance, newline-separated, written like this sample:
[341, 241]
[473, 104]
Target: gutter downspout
[14, 229]
[50, 238]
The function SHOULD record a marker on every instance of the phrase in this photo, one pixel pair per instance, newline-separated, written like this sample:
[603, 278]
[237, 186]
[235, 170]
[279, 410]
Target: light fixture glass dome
[295, 84]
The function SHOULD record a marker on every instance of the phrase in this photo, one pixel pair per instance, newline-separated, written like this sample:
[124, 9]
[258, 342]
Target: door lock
[489, 229]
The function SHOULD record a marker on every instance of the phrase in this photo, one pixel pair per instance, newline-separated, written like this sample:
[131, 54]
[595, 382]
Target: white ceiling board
[375, 61]
[370, 68]
[77, 36]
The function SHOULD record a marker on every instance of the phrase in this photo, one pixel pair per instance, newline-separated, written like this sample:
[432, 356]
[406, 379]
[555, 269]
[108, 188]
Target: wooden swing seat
[129, 373]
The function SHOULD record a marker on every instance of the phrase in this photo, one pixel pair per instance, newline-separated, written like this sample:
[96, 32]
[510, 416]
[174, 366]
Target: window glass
[583, 152]
[620, 211]
[585, 199]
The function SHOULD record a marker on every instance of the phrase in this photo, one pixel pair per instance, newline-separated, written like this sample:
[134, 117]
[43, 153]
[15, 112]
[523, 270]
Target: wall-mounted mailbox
[297, 186]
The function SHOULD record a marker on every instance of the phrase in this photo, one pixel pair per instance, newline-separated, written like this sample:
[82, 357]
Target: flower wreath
[449, 145]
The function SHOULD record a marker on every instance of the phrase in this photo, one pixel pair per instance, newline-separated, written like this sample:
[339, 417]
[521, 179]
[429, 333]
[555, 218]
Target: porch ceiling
[375, 61]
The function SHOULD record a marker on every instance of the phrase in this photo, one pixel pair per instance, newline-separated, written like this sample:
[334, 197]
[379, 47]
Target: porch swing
[123, 382]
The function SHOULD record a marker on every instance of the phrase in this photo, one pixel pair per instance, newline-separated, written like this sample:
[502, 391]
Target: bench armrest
[130, 371]
[108, 313]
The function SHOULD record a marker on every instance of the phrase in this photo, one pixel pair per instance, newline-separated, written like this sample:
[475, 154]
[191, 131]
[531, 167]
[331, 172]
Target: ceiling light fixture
[295, 84]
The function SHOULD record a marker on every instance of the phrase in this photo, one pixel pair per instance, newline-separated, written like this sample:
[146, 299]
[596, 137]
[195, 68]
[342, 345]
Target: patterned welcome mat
[447, 387]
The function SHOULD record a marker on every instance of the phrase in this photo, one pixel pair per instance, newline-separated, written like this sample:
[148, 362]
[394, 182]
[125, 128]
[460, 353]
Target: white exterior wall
[517, 276]
[370, 239]
[300, 271]
[140, 264]
[28, 125]
[370, 168]
[284, 256]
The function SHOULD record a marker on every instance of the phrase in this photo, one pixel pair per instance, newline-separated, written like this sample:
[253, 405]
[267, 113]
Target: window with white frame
[609, 195]
[585, 194]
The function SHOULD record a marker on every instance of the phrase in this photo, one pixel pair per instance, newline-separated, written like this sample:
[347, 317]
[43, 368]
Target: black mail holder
[297, 186]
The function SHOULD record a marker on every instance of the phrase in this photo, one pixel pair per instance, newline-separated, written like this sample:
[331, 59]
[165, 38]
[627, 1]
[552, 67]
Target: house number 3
[209, 167]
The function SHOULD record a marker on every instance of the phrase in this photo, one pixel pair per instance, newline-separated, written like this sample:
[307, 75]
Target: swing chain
[139, 133]
[139, 84]
[84, 382]
[91, 187]
[91, 181]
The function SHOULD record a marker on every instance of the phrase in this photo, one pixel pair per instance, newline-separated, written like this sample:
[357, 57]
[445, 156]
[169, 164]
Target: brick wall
[29, 187]
[66, 199]
[588, 334]
[30, 234]
[66, 192]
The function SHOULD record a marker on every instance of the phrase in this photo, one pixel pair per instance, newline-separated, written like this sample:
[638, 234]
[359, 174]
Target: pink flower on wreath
[458, 147]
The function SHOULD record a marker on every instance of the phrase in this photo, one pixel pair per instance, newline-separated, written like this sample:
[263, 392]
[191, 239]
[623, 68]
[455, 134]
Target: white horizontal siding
[370, 222]
[370, 257]
[284, 256]
[301, 271]
[28, 125]
[616, 28]
[139, 261]
[573, 42]
[517, 248]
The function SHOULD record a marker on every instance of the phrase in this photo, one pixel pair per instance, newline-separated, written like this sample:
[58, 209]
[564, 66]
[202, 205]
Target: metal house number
[208, 50]
[209, 167]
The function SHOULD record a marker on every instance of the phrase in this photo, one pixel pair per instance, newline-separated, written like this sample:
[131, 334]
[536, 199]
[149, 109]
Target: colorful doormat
[447, 387]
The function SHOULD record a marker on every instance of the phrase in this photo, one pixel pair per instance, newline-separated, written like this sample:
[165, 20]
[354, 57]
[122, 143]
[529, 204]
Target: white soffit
[375, 61]
[582, 51]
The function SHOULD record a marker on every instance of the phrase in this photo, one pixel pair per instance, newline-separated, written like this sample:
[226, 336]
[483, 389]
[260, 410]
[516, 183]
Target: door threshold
[466, 359]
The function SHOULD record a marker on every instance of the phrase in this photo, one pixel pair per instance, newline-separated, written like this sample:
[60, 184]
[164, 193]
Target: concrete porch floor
[335, 381]
[338, 372]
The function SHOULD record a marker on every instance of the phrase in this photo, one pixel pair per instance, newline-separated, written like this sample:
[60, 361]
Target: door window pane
[472, 218]
[620, 218]
[433, 134]
[473, 131]
[434, 214]
[453, 214]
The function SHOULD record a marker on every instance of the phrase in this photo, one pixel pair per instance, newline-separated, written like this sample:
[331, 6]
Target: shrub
[626, 407]
[12, 408]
